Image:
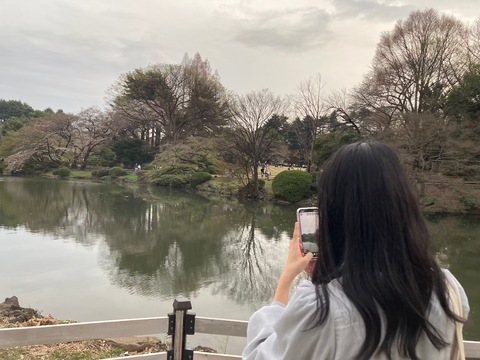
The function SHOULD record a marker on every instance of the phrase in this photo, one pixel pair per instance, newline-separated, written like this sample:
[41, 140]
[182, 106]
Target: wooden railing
[51, 334]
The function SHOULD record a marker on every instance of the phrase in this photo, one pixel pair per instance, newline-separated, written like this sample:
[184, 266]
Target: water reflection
[160, 243]
[456, 241]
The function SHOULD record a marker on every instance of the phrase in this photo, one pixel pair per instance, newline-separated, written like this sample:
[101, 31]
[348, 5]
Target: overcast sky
[65, 54]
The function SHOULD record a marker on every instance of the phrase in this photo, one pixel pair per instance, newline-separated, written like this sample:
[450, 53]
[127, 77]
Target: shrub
[199, 178]
[104, 157]
[172, 180]
[148, 167]
[292, 185]
[116, 171]
[429, 201]
[62, 173]
[176, 170]
[314, 175]
[261, 184]
[470, 202]
[249, 186]
[100, 173]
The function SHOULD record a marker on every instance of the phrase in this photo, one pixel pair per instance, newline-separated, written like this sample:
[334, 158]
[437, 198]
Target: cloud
[307, 27]
[372, 10]
[66, 54]
[286, 30]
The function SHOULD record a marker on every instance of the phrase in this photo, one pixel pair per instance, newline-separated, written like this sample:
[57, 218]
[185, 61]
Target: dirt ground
[85, 350]
[81, 350]
[450, 196]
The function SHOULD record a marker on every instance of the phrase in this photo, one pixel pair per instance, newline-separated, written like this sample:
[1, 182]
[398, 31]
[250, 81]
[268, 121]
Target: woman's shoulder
[308, 295]
[456, 284]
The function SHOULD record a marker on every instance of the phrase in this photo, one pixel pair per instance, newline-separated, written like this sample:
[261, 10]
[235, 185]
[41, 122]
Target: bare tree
[343, 110]
[473, 44]
[46, 141]
[310, 106]
[417, 62]
[415, 67]
[92, 129]
[250, 132]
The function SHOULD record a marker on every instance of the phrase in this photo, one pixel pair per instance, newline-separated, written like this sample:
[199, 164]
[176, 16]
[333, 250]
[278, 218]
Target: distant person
[376, 290]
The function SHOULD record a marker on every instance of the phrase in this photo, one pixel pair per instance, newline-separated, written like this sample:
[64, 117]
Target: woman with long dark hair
[376, 291]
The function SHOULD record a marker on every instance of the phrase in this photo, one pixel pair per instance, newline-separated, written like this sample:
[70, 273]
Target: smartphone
[308, 219]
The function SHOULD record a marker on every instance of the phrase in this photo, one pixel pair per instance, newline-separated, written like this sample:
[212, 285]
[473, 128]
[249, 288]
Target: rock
[134, 343]
[11, 310]
[10, 303]
[205, 349]
[21, 315]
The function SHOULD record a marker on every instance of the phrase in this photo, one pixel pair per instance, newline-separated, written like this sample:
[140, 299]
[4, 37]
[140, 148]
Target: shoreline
[441, 195]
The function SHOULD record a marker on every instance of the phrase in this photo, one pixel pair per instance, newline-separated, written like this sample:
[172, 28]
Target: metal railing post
[180, 324]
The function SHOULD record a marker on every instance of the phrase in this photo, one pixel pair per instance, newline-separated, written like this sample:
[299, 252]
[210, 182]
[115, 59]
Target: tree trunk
[85, 159]
[255, 179]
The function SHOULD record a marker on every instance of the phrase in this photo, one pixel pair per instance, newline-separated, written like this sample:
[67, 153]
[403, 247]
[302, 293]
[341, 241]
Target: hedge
[100, 173]
[63, 172]
[199, 178]
[172, 180]
[292, 185]
[116, 171]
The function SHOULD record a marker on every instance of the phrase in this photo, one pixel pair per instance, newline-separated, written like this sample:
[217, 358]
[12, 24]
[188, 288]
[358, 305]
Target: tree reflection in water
[162, 243]
[174, 243]
[255, 252]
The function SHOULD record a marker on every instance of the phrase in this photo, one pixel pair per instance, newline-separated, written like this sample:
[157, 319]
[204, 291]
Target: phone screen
[308, 220]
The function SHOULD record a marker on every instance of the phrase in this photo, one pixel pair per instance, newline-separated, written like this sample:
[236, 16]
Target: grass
[85, 355]
[74, 174]
[223, 183]
[268, 185]
[33, 353]
[131, 177]
[81, 174]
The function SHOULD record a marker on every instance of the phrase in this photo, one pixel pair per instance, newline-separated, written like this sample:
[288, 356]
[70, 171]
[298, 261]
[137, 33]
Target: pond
[93, 251]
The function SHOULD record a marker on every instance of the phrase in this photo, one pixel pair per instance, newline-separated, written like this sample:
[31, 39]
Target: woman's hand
[295, 264]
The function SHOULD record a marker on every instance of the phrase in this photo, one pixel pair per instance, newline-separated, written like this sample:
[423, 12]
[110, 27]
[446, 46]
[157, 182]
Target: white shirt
[278, 332]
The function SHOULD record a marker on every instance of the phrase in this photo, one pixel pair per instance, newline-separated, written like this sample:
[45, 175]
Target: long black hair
[374, 240]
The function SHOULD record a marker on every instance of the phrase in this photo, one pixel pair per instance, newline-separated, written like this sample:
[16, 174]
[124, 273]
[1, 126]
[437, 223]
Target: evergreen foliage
[174, 176]
[62, 173]
[172, 180]
[292, 185]
[199, 178]
[100, 173]
[14, 108]
[133, 151]
[117, 172]
[148, 167]
[327, 144]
